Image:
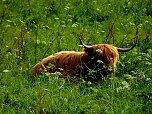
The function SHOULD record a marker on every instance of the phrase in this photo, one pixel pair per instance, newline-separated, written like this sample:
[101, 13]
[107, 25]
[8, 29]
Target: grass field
[33, 29]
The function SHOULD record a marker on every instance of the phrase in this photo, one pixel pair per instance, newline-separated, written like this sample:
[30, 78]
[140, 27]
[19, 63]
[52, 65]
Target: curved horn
[126, 49]
[85, 46]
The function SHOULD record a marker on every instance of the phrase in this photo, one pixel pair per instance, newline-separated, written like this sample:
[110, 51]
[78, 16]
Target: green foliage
[32, 29]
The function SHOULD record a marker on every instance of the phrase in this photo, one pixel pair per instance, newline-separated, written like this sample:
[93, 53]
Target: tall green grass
[32, 30]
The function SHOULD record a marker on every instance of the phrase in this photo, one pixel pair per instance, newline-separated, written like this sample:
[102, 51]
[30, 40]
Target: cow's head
[104, 56]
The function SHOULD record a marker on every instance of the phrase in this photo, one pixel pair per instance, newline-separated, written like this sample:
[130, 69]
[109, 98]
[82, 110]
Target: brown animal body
[100, 58]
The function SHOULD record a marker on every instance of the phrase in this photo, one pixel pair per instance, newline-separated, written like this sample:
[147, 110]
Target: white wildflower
[56, 18]
[98, 9]
[66, 8]
[5, 71]
[125, 85]
[100, 61]
[148, 79]
[75, 25]
[99, 50]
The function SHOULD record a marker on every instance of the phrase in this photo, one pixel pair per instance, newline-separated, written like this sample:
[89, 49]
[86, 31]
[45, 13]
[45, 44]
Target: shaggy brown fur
[101, 57]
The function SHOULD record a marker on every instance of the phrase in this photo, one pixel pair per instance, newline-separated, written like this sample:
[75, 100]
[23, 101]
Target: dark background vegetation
[33, 29]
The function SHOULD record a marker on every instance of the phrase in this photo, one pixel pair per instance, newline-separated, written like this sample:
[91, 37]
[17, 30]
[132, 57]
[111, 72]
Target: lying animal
[99, 59]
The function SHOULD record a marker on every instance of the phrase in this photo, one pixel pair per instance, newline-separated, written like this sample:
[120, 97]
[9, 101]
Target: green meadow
[33, 29]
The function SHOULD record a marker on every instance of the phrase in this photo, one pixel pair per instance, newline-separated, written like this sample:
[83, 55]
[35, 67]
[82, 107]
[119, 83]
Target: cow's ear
[89, 49]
